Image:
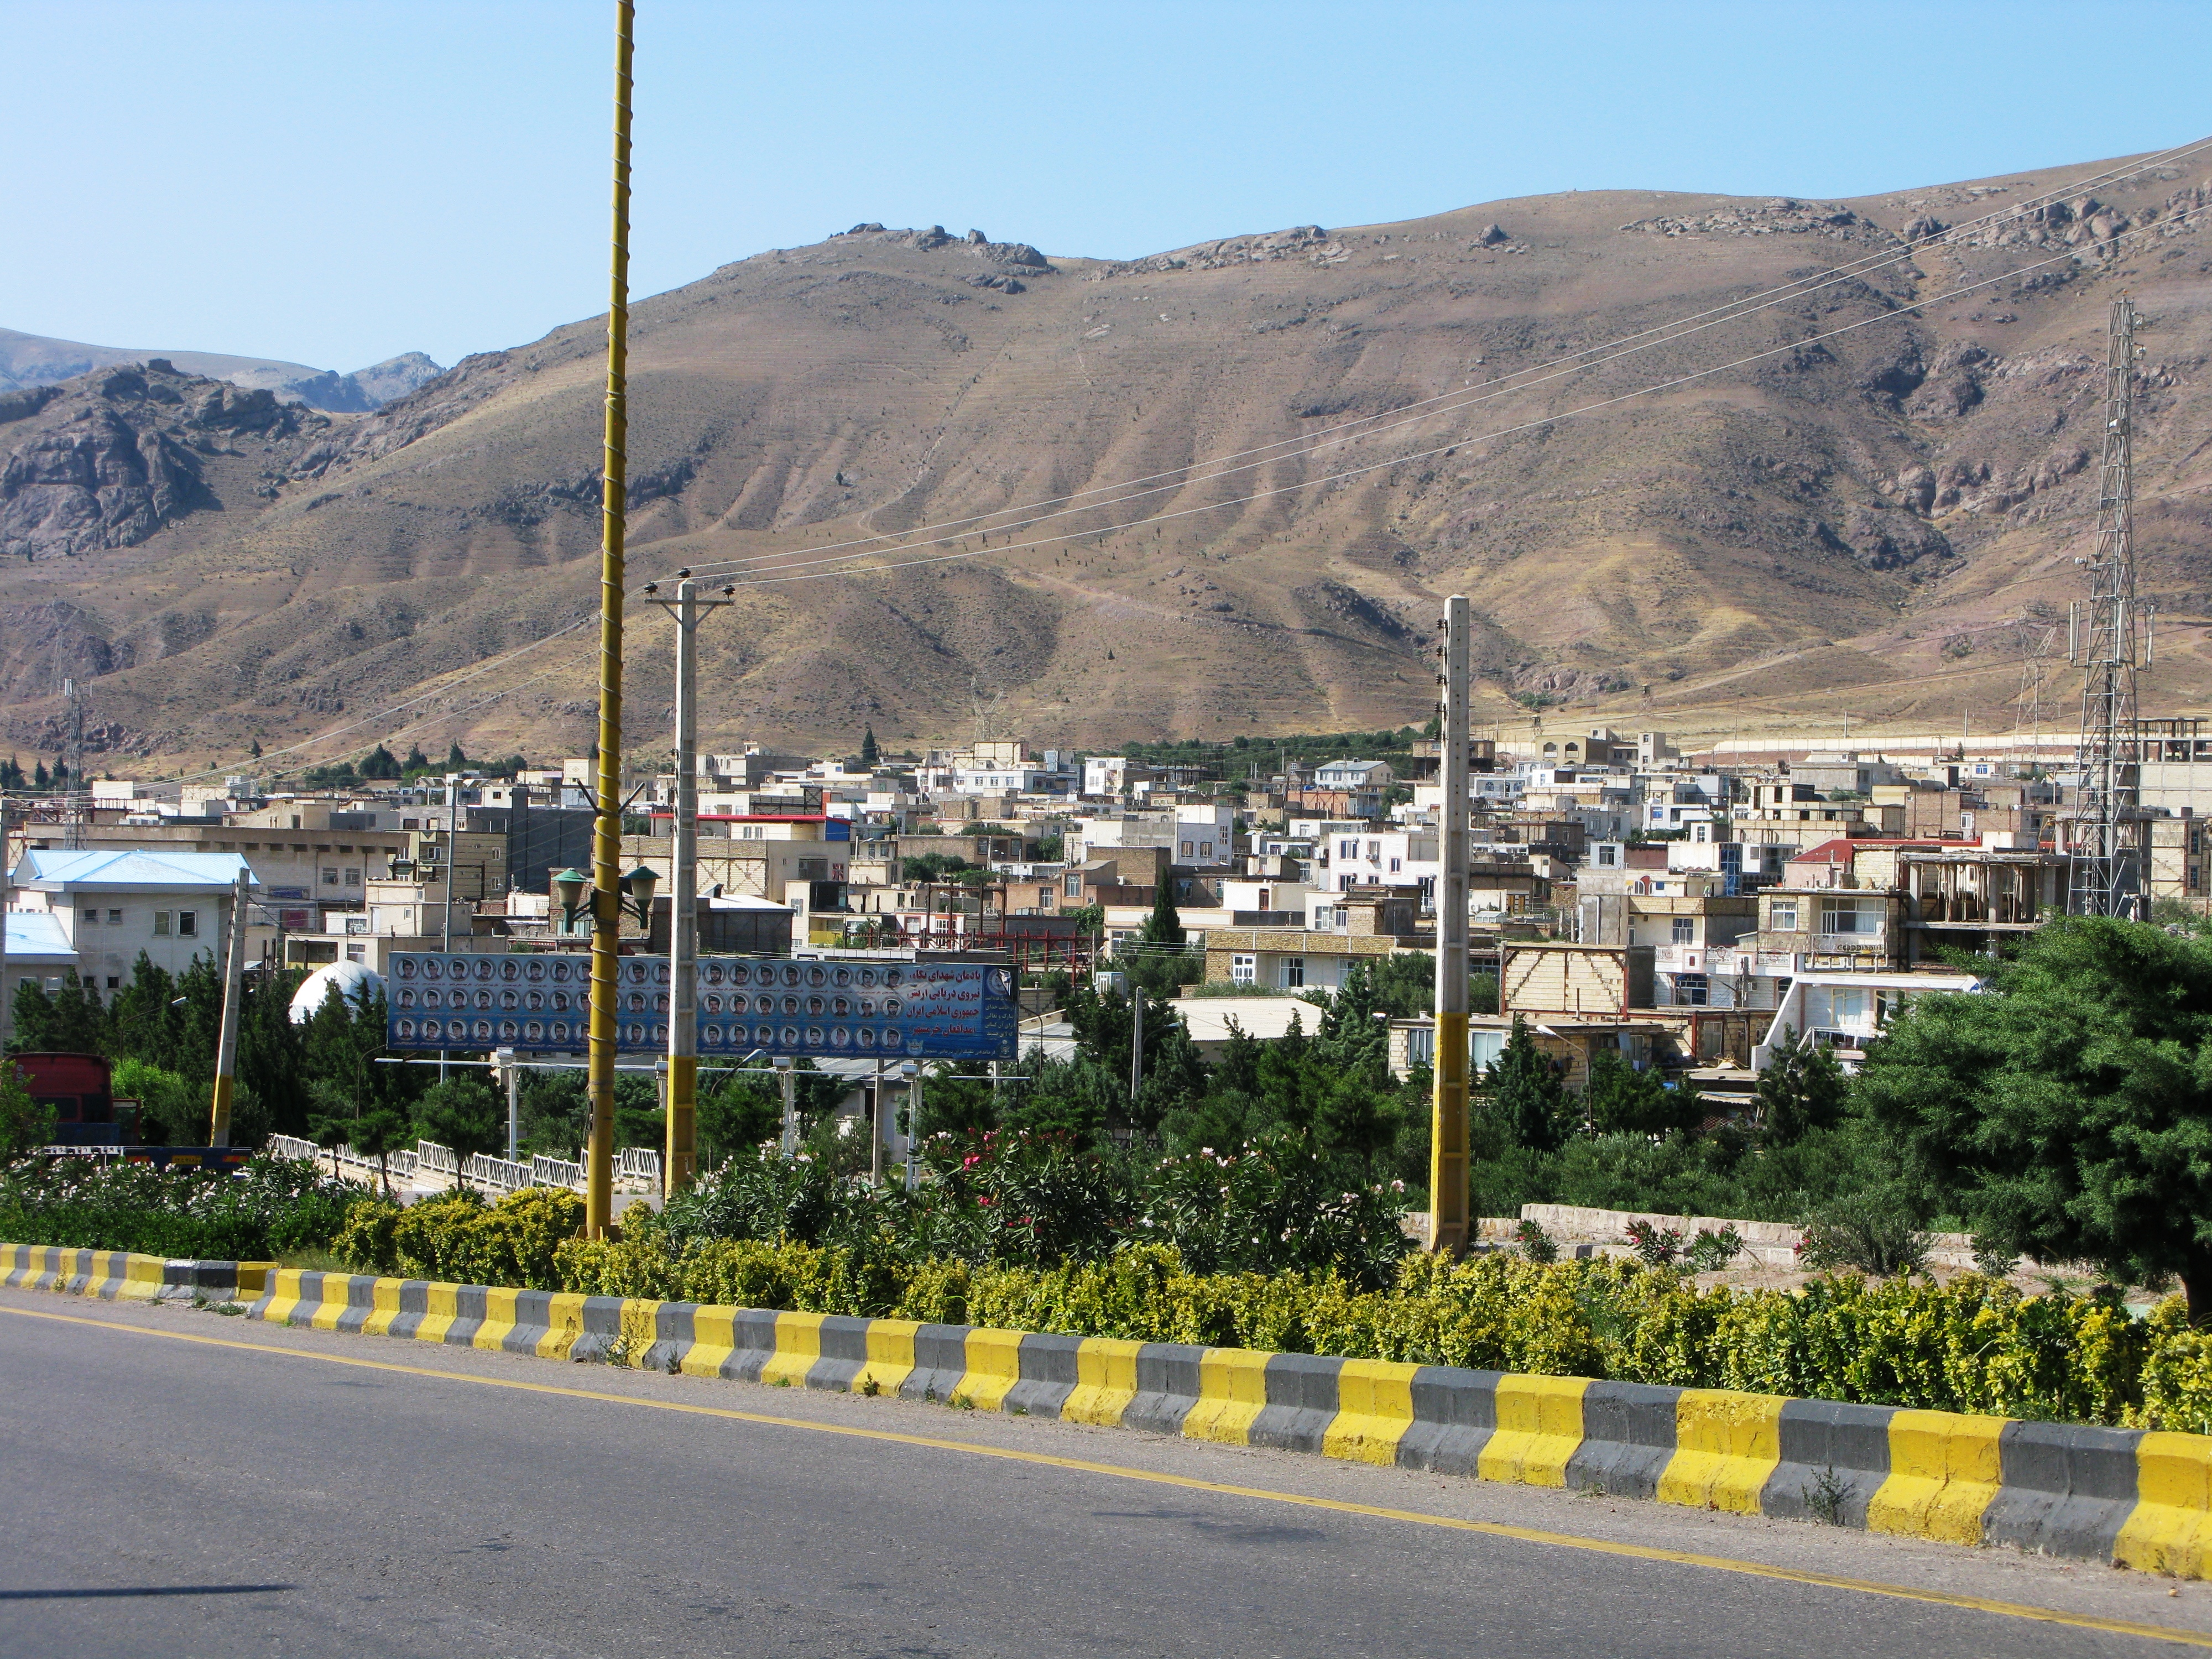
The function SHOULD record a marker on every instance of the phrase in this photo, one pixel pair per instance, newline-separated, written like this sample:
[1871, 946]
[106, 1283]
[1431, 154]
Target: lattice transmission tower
[2106, 827]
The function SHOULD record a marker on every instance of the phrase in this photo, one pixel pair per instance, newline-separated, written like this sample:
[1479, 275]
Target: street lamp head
[653, 587]
[568, 889]
[684, 574]
[180, 1002]
[781, 1062]
[637, 887]
[729, 592]
[908, 1070]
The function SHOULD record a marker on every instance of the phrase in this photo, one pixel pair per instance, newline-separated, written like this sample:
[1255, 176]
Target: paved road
[293, 1497]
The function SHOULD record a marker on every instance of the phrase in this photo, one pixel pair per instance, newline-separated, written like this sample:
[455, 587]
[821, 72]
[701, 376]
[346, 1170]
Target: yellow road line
[1189, 1483]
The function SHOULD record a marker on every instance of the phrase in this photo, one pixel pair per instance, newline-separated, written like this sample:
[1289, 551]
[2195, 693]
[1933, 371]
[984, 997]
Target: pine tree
[455, 760]
[1802, 1089]
[1525, 1092]
[869, 754]
[381, 763]
[39, 778]
[257, 749]
[1163, 926]
[417, 761]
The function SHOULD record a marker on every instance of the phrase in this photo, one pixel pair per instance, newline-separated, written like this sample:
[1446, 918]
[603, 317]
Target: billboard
[841, 1008]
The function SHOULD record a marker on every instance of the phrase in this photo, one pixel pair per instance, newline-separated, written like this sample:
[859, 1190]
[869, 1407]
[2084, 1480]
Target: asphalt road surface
[180, 1484]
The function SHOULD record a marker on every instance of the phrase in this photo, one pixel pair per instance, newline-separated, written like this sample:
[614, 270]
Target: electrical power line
[1623, 345]
[781, 574]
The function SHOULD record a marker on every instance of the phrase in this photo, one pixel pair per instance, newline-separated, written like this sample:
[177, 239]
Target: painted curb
[2124, 1497]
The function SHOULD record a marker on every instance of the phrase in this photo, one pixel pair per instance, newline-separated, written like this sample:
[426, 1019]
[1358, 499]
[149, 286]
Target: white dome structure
[355, 981]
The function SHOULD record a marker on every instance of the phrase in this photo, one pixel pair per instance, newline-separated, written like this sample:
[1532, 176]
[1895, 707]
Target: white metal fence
[639, 1165]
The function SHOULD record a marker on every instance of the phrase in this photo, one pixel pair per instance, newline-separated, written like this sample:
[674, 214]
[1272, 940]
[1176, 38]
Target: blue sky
[334, 181]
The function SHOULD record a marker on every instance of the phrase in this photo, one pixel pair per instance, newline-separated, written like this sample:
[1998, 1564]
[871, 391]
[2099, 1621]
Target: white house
[112, 905]
[39, 953]
[1846, 1010]
[1353, 775]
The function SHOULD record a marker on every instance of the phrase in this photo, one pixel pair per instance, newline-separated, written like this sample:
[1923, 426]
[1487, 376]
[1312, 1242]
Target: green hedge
[272, 1205]
[1975, 1344]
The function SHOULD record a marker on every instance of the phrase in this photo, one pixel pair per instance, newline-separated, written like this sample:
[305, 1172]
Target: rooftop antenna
[2105, 830]
[73, 822]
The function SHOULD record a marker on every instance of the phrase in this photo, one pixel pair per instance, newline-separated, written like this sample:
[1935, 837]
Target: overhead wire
[1565, 365]
[847, 567]
[1462, 397]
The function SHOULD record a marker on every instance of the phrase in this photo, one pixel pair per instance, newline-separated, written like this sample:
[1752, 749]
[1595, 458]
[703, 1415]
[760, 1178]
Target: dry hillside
[1877, 524]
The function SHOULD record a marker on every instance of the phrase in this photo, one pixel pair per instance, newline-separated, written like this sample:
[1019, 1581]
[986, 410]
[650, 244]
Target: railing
[489, 1171]
[554, 1171]
[638, 1164]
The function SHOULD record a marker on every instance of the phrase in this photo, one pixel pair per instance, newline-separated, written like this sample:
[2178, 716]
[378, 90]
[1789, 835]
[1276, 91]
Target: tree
[1802, 1089]
[869, 754]
[465, 1113]
[71, 1021]
[379, 1133]
[455, 760]
[1623, 1101]
[1163, 926]
[379, 763]
[256, 750]
[2066, 1110]
[1525, 1091]
[24, 1123]
[417, 761]
[39, 778]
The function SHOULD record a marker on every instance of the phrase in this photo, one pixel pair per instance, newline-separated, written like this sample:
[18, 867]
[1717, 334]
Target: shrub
[272, 1205]
[1872, 1231]
[457, 1237]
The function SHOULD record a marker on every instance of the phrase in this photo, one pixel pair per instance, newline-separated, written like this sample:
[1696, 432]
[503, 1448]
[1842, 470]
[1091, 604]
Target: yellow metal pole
[607, 840]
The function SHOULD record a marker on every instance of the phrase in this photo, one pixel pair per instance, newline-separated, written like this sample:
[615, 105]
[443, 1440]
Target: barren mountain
[29, 360]
[1797, 524]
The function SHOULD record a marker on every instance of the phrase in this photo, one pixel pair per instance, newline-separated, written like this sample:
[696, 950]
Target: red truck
[79, 1089]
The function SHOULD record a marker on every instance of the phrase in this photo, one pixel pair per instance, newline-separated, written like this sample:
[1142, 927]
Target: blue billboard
[835, 1008]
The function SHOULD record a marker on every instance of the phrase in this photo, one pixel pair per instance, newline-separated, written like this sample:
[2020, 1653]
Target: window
[1686, 930]
[1394, 866]
[1294, 973]
[1782, 918]
[353, 875]
[1851, 921]
[330, 876]
[91, 918]
[1243, 968]
[1074, 886]
[188, 923]
[1607, 857]
[1205, 850]
[115, 918]
[161, 924]
[1690, 990]
[1420, 1045]
[1186, 850]
[356, 953]
[1349, 850]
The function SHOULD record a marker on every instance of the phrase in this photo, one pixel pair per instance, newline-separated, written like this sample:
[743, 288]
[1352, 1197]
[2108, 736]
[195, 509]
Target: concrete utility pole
[606, 839]
[681, 1164]
[912, 1073]
[2106, 824]
[1136, 1037]
[233, 993]
[6, 1016]
[446, 928]
[877, 1118]
[1448, 1226]
[503, 1060]
[789, 1085]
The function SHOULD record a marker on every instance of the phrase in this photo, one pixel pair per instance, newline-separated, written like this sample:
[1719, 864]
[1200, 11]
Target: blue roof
[34, 933]
[47, 871]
